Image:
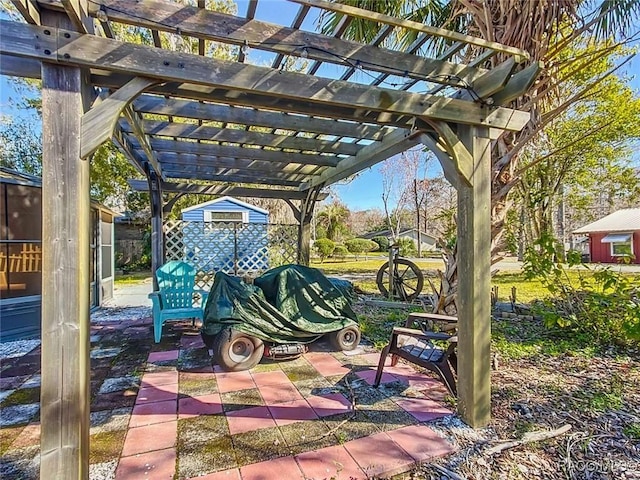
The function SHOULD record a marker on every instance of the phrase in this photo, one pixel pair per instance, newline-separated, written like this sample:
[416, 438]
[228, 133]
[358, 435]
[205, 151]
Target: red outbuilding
[615, 236]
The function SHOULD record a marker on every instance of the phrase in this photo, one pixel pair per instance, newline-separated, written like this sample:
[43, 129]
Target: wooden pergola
[191, 123]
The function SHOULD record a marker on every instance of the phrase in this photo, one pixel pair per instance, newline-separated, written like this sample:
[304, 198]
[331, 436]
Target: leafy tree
[360, 245]
[324, 247]
[382, 242]
[340, 252]
[546, 30]
[582, 150]
[333, 218]
[407, 247]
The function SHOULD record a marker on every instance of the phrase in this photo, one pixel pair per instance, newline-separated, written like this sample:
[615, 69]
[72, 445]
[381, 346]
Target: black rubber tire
[235, 351]
[346, 339]
[408, 284]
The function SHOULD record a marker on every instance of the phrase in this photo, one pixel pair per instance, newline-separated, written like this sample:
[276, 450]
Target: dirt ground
[592, 404]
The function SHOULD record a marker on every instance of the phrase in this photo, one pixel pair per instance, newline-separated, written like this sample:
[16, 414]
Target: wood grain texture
[90, 51]
[474, 282]
[64, 414]
[235, 135]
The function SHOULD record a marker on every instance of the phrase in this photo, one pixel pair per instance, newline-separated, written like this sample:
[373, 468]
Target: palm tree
[544, 29]
[333, 217]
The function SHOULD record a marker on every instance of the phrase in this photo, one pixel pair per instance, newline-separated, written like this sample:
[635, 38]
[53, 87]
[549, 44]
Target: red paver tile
[150, 437]
[437, 392]
[327, 365]
[331, 462]
[417, 380]
[291, 412]
[157, 394]
[421, 442]
[423, 409]
[249, 419]
[165, 356]
[401, 369]
[155, 379]
[369, 376]
[273, 394]
[160, 464]
[201, 405]
[234, 381]
[372, 359]
[231, 474]
[379, 456]
[279, 468]
[29, 436]
[331, 404]
[277, 377]
[153, 412]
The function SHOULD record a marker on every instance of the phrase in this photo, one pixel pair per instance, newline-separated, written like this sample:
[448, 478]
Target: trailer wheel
[346, 339]
[235, 351]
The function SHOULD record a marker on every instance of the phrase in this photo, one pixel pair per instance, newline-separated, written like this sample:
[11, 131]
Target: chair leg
[444, 370]
[157, 329]
[383, 357]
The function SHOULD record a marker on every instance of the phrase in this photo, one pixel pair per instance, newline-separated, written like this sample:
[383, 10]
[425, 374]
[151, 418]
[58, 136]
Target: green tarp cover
[288, 304]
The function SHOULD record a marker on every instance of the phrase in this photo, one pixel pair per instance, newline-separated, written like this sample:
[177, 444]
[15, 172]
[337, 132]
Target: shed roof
[625, 220]
[240, 203]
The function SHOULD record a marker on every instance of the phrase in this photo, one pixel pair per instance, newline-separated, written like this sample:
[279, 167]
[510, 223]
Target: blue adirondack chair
[175, 299]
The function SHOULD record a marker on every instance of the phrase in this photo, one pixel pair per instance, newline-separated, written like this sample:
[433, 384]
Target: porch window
[621, 244]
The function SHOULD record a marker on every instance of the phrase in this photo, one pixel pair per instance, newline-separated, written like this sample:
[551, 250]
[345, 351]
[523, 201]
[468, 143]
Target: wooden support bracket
[98, 123]
[462, 158]
[135, 120]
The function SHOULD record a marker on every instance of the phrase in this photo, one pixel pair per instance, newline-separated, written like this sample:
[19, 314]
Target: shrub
[324, 247]
[340, 252]
[602, 303]
[407, 247]
[360, 245]
[383, 243]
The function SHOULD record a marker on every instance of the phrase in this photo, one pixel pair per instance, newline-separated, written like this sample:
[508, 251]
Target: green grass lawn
[132, 278]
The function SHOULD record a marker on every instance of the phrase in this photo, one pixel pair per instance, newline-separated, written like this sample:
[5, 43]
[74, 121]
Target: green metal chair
[175, 298]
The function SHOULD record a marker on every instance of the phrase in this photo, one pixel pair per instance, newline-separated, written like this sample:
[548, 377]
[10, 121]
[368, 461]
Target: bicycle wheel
[407, 283]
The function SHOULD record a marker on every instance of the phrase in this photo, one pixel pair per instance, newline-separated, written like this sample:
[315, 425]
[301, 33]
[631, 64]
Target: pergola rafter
[190, 123]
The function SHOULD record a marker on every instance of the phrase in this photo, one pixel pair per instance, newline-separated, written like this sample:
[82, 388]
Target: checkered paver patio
[168, 413]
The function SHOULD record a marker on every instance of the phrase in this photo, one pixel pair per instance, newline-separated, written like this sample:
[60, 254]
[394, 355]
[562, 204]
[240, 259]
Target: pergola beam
[246, 153]
[29, 11]
[70, 48]
[221, 189]
[520, 55]
[220, 27]
[214, 134]
[260, 118]
[196, 173]
[397, 142]
[175, 160]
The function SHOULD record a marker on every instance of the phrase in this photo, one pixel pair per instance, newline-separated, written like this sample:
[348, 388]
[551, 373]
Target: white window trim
[630, 242]
[208, 214]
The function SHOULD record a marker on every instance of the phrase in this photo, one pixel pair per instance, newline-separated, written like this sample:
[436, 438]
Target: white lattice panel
[233, 248]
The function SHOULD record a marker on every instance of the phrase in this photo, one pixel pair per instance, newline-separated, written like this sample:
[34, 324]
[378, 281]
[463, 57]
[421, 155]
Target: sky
[365, 190]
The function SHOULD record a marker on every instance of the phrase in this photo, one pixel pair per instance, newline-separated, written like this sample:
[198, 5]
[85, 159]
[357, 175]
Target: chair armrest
[203, 295]
[412, 332]
[445, 323]
[156, 299]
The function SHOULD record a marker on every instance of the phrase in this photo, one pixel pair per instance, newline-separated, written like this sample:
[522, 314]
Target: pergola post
[157, 234]
[474, 280]
[64, 416]
[305, 216]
